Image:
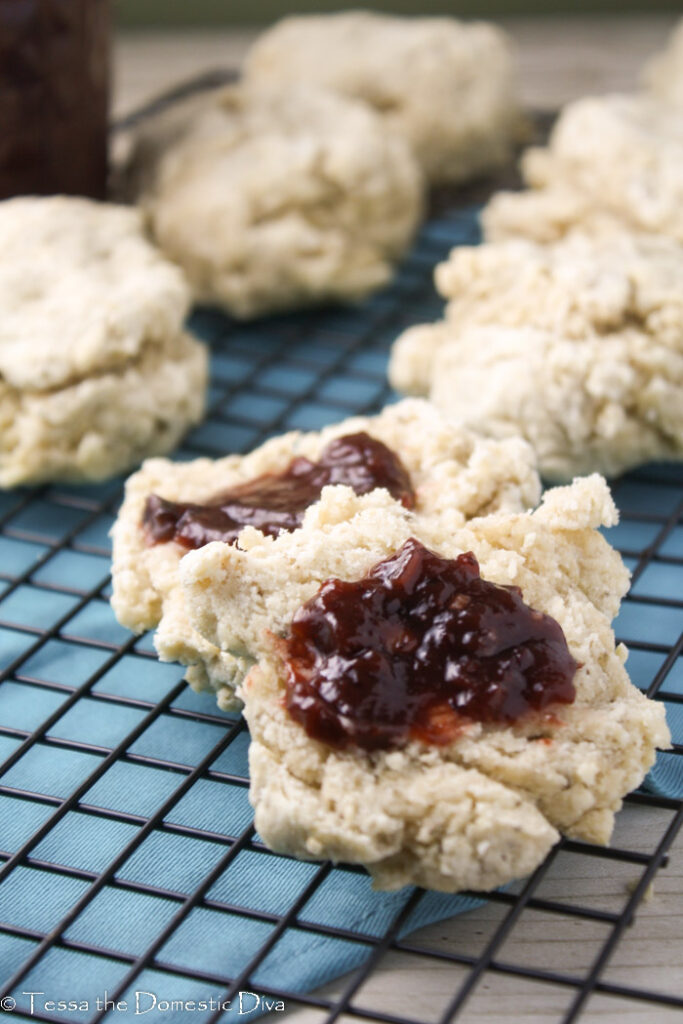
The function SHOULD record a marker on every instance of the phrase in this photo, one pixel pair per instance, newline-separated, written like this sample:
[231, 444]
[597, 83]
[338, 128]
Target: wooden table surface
[560, 59]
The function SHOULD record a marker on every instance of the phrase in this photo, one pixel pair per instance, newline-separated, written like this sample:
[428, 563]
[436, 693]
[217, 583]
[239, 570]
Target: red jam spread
[276, 502]
[417, 649]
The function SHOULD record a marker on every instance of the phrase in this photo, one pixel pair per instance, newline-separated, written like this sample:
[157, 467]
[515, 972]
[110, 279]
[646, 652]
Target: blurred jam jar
[54, 91]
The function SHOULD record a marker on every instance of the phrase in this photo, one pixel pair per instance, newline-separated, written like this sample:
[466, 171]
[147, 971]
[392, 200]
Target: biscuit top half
[81, 289]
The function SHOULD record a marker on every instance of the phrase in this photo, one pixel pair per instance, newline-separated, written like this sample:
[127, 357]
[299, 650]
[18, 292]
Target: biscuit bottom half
[485, 808]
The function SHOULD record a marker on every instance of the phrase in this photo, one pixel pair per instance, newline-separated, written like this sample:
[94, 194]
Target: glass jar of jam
[54, 91]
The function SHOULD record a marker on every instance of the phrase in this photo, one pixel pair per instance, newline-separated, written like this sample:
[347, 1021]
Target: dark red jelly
[277, 501]
[417, 649]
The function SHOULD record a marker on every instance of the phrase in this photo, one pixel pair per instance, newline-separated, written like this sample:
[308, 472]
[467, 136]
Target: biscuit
[95, 370]
[663, 74]
[448, 87]
[275, 199]
[611, 161]
[577, 346]
[455, 475]
[486, 807]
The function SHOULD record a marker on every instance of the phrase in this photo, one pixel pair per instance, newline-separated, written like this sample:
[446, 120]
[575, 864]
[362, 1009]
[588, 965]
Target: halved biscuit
[455, 476]
[95, 370]
[486, 806]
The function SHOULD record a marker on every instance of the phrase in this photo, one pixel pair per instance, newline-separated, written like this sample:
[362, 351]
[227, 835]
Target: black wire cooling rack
[123, 807]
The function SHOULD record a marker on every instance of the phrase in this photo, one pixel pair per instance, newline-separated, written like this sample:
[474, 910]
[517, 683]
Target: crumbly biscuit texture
[487, 807]
[663, 74]
[577, 346]
[82, 291]
[611, 161]
[604, 403]
[95, 370]
[103, 424]
[456, 476]
[273, 199]
[448, 87]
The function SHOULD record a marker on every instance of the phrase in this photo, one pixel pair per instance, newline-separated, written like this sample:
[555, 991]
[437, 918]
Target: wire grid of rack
[123, 795]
